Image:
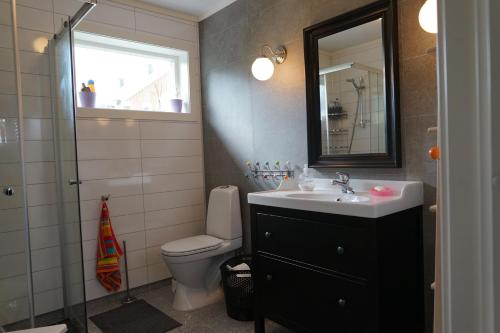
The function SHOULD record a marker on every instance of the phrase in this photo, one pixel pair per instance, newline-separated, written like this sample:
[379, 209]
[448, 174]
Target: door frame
[470, 147]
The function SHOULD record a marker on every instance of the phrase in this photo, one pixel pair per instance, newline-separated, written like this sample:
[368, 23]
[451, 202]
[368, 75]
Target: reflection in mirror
[352, 91]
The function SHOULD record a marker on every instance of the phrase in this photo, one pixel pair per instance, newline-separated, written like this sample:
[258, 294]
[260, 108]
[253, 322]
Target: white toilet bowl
[194, 261]
[196, 271]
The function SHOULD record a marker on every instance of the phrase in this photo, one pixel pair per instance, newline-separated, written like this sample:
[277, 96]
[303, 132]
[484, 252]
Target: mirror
[351, 90]
[352, 95]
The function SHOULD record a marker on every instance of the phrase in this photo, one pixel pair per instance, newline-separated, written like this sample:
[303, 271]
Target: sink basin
[327, 198]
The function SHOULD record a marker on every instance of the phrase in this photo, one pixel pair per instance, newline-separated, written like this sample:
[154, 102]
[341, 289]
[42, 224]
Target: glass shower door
[16, 287]
[16, 298]
[61, 51]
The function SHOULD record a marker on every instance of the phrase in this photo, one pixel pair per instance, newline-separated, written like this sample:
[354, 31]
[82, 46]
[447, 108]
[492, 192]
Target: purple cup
[87, 99]
[176, 105]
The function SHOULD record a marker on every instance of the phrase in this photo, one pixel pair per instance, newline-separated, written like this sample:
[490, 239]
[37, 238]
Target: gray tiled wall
[245, 119]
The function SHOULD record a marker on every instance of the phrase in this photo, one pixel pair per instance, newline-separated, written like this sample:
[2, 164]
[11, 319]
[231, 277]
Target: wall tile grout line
[134, 195]
[147, 175]
[128, 139]
[128, 158]
[24, 51]
[142, 181]
[28, 29]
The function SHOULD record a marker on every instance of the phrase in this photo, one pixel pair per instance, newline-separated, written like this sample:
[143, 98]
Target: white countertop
[327, 198]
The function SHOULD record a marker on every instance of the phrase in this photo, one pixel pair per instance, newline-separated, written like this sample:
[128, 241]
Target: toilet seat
[191, 245]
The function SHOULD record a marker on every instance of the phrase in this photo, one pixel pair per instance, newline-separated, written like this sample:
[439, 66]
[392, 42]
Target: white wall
[132, 206]
[153, 169]
[154, 173]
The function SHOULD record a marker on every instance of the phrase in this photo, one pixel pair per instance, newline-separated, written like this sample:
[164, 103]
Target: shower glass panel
[15, 272]
[14, 293]
[61, 52]
[41, 260]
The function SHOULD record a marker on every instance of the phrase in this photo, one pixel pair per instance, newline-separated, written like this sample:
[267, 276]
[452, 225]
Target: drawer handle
[269, 277]
[267, 234]
[340, 250]
[342, 302]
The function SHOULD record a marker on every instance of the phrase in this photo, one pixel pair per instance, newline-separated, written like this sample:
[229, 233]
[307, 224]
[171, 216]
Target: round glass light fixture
[428, 16]
[262, 69]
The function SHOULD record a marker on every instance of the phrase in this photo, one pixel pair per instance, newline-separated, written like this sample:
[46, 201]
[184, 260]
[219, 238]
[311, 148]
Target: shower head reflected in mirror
[356, 85]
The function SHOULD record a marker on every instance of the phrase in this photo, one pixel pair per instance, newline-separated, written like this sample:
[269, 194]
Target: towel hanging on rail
[108, 253]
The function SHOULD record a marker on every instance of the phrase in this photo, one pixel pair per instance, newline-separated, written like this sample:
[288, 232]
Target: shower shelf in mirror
[339, 131]
[338, 114]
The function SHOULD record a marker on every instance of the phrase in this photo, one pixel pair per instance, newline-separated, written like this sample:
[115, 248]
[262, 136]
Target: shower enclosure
[352, 103]
[41, 265]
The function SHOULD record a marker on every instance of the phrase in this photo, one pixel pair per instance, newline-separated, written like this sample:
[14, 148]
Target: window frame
[153, 39]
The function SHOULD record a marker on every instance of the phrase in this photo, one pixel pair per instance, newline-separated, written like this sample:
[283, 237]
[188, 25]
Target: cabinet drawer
[312, 301]
[328, 245]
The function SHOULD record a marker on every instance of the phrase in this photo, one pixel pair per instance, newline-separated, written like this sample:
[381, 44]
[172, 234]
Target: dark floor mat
[137, 317]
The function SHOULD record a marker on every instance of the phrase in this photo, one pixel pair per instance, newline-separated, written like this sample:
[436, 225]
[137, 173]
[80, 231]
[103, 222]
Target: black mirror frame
[387, 10]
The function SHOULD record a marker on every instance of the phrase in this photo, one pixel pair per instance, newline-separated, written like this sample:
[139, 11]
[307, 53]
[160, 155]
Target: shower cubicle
[41, 266]
[352, 103]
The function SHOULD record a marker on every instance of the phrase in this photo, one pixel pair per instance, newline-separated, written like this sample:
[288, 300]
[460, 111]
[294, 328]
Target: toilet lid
[191, 245]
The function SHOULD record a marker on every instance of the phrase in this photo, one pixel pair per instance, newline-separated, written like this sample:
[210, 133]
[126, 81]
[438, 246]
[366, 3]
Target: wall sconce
[263, 67]
[428, 16]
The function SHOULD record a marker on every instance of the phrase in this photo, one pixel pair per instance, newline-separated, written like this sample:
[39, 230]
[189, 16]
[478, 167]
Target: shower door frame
[469, 168]
[68, 28]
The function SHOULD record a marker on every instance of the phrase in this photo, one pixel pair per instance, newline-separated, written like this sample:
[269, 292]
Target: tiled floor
[210, 319]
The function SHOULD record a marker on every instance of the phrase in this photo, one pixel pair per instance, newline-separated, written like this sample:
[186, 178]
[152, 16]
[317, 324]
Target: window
[129, 75]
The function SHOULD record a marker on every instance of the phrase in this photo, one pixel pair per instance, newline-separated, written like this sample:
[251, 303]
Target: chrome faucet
[342, 180]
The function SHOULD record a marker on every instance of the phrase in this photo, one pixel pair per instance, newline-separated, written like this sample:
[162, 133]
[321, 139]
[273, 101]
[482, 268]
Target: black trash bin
[238, 289]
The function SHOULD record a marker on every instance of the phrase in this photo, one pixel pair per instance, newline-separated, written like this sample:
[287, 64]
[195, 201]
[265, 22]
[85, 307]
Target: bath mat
[137, 317]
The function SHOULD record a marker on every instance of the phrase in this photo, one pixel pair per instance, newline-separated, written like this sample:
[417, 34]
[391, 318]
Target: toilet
[194, 261]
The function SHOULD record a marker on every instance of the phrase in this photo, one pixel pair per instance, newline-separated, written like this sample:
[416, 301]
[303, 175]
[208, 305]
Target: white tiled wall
[112, 156]
[153, 171]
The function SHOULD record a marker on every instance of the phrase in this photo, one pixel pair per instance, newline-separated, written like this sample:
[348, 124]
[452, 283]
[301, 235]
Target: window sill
[133, 114]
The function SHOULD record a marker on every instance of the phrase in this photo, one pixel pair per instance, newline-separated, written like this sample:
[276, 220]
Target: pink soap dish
[381, 191]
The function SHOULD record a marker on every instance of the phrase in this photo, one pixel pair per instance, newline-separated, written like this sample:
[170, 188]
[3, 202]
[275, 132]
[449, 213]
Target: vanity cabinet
[318, 272]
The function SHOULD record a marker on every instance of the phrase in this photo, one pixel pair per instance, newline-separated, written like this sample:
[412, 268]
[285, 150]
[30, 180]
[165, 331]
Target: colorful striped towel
[108, 253]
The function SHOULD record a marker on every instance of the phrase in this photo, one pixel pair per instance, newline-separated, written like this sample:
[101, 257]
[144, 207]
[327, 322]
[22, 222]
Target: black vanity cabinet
[316, 272]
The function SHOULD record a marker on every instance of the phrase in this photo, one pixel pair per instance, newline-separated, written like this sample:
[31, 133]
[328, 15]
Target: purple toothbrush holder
[87, 99]
[176, 105]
